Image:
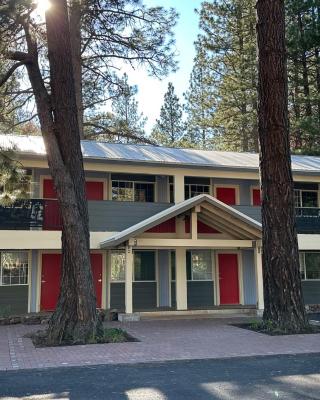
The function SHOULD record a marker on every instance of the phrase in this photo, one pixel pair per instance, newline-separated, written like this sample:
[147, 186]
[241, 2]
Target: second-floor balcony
[114, 216]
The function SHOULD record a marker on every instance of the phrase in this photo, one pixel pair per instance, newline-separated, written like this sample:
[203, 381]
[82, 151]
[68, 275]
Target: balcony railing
[115, 216]
[308, 220]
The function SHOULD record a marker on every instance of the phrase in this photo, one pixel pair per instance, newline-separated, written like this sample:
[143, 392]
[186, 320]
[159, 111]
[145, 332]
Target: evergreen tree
[303, 39]
[200, 101]
[170, 128]
[126, 118]
[228, 35]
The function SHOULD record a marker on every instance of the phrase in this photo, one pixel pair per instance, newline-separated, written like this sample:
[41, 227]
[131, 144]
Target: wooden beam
[190, 243]
[233, 220]
[221, 227]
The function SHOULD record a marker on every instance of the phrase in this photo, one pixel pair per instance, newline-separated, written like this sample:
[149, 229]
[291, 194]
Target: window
[192, 190]
[122, 191]
[132, 191]
[144, 266]
[306, 198]
[14, 268]
[143, 192]
[310, 265]
[199, 265]
[118, 261]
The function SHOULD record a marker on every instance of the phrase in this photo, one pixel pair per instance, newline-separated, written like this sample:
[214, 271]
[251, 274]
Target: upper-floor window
[118, 263]
[192, 190]
[310, 265]
[306, 198]
[132, 191]
[13, 268]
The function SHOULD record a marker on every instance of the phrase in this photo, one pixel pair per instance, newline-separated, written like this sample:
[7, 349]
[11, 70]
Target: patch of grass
[271, 329]
[108, 335]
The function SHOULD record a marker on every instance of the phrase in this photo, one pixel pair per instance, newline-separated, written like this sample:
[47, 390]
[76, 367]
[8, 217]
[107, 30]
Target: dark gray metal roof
[110, 152]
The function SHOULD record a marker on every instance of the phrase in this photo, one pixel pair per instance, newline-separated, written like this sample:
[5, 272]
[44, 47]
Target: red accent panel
[52, 219]
[228, 278]
[96, 265]
[94, 190]
[50, 279]
[201, 226]
[226, 195]
[165, 227]
[48, 189]
[256, 197]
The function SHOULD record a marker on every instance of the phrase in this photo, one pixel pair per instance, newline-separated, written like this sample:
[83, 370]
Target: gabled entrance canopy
[241, 229]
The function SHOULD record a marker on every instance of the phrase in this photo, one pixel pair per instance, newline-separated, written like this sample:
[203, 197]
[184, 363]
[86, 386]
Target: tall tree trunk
[305, 72]
[75, 38]
[282, 285]
[75, 318]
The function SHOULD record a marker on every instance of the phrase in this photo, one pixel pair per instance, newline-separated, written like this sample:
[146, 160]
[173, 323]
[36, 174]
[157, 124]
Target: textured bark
[282, 285]
[75, 318]
[75, 38]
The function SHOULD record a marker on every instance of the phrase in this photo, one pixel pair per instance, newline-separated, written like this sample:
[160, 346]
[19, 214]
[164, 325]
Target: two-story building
[170, 229]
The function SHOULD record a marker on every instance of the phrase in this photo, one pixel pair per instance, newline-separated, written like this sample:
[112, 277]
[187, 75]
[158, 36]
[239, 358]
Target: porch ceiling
[210, 211]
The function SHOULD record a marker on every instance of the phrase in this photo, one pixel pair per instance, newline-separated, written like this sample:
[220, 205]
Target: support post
[181, 279]
[128, 280]
[259, 278]
[194, 225]
[178, 188]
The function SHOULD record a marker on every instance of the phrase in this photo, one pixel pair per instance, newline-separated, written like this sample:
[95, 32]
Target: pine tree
[228, 35]
[303, 39]
[200, 101]
[170, 128]
[126, 119]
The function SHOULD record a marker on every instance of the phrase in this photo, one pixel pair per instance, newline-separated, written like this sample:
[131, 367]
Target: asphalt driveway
[293, 377]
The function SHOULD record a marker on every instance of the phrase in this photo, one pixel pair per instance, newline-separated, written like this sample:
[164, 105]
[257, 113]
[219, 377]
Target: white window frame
[303, 260]
[28, 268]
[188, 185]
[118, 252]
[133, 189]
[300, 197]
[212, 274]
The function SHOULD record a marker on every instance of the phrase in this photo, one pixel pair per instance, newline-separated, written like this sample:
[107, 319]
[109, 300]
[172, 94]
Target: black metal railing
[104, 215]
[22, 214]
[308, 220]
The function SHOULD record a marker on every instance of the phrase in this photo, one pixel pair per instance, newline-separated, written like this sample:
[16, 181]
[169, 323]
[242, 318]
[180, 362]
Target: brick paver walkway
[159, 341]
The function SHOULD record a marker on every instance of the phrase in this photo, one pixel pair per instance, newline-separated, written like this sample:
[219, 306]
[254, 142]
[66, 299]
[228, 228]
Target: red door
[50, 279]
[227, 195]
[228, 278]
[256, 197]
[96, 265]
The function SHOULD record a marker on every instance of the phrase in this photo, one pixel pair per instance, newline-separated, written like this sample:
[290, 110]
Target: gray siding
[144, 295]
[163, 268]
[200, 294]
[311, 292]
[249, 277]
[117, 299]
[253, 212]
[34, 280]
[115, 216]
[14, 299]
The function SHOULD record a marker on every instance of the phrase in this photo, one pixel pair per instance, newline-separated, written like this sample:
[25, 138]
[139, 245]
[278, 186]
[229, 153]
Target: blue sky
[151, 90]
